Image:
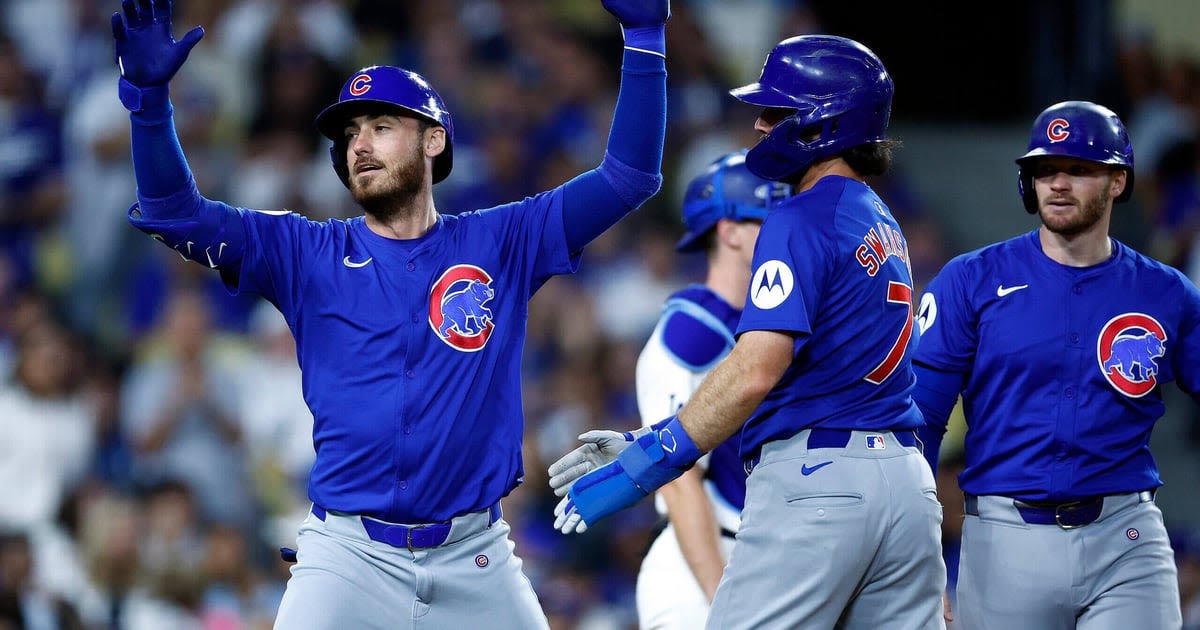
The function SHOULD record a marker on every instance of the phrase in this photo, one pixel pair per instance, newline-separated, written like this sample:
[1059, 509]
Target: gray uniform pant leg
[853, 544]
[344, 580]
[1117, 572]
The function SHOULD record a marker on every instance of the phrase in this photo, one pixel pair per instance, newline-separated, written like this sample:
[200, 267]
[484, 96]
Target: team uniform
[838, 494]
[410, 348]
[693, 334]
[1060, 370]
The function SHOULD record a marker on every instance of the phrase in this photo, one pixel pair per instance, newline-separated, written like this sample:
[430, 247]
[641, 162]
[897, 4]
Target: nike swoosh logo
[806, 471]
[353, 265]
[1002, 290]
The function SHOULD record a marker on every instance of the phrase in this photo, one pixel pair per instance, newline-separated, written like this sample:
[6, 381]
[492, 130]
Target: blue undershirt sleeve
[631, 171]
[935, 394]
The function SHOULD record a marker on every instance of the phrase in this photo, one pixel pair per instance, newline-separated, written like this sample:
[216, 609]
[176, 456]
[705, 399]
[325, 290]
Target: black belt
[1067, 515]
[661, 526]
[422, 536]
[837, 438]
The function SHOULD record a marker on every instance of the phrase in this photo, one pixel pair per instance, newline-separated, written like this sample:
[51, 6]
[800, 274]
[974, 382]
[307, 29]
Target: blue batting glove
[146, 52]
[639, 13]
[649, 463]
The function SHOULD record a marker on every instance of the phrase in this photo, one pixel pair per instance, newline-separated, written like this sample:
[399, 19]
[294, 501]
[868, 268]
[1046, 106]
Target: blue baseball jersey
[420, 418]
[693, 334]
[1063, 366]
[831, 269]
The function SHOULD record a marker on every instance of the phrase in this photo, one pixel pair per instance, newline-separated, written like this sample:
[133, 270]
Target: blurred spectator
[22, 604]
[31, 165]
[48, 425]
[180, 401]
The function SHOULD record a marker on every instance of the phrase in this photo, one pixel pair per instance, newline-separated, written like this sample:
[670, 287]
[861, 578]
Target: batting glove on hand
[598, 449]
[638, 13]
[647, 464]
[146, 52]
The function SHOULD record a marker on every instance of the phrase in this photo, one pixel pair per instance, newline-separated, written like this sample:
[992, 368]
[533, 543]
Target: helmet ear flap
[337, 154]
[1026, 190]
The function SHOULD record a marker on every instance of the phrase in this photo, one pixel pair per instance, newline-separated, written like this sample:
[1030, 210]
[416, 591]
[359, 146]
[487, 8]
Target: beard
[386, 197]
[1088, 215]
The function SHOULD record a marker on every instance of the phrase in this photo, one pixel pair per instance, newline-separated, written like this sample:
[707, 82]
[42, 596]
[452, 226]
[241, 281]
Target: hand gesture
[598, 449]
[637, 13]
[146, 52]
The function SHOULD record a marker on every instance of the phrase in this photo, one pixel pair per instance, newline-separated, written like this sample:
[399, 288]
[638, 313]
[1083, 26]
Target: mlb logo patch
[876, 443]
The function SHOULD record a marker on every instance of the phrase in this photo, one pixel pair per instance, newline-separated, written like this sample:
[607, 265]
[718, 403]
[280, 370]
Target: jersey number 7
[898, 293]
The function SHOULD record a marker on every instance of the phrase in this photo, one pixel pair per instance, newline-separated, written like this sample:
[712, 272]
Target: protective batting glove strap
[152, 104]
[651, 462]
[648, 39]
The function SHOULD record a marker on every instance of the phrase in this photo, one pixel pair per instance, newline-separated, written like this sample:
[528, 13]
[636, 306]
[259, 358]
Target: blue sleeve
[159, 166]
[935, 393]
[631, 171]
[170, 208]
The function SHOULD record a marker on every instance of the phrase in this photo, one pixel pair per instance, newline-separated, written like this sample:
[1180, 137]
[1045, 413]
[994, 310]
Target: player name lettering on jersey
[881, 242]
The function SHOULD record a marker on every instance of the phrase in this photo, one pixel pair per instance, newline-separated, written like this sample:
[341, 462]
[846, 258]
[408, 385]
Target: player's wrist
[651, 39]
[149, 103]
[679, 450]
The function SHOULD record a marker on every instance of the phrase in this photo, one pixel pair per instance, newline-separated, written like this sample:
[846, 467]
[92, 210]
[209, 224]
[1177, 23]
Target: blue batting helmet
[1078, 129]
[392, 87]
[726, 189]
[842, 95]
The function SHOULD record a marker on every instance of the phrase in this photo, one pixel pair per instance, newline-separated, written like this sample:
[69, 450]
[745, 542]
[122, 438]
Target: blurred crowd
[154, 446]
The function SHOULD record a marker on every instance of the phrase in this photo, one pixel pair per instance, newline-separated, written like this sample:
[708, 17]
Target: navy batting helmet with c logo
[392, 87]
[1077, 129]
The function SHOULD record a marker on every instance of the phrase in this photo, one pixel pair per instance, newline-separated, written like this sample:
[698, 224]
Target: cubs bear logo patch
[1128, 351]
[458, 310]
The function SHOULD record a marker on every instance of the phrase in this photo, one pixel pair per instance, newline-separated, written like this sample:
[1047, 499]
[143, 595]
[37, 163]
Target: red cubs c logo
[1057, 130]
[1128, 350]
[360, 84]
[458, 310]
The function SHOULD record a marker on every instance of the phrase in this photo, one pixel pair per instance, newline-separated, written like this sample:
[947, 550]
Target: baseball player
[1059, 341]
[723, 209]
[409, 323]
[841, 520]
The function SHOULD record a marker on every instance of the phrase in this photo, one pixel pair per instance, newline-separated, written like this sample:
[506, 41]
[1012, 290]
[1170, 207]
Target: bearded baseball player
[723, 209]
[1060, 341]
[841, 523]
[409, 323]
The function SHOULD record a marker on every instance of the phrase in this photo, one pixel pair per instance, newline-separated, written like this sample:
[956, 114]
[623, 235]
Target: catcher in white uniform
[722, 210]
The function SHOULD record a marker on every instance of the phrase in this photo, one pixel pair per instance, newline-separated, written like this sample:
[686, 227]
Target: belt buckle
[1058, 514]
[409, 534]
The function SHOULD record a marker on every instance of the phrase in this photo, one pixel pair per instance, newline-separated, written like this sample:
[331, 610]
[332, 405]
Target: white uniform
[693, 334]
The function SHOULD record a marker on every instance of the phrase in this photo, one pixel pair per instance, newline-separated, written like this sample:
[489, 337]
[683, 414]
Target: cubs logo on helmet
[1058, 131]
[1128, 350]
[458, 310]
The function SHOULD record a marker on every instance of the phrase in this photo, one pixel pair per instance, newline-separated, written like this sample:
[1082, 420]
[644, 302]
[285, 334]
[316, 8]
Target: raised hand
[638, 13]
[146, 52]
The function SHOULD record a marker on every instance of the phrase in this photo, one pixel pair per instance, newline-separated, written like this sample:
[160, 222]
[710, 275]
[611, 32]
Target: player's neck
[825, 168]
[729, 280]
[409, 222]
[1088, 248]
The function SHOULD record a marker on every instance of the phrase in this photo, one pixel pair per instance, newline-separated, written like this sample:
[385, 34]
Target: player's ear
[1118, 182]
[435, 141]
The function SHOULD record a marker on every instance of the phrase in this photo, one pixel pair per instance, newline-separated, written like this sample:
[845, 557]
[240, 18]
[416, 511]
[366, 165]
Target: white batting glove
[567, 520]
[598, 449]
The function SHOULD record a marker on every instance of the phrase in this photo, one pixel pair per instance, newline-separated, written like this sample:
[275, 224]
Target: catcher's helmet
[388, 86]
[726, 189]
[842, 95]
[1078, 129]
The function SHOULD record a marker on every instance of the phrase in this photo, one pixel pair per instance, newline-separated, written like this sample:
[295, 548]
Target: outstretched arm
[631, 171]
[722, 403]
[169, 207]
